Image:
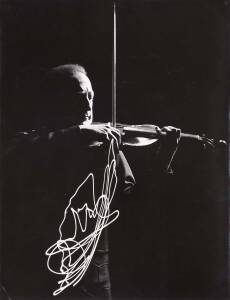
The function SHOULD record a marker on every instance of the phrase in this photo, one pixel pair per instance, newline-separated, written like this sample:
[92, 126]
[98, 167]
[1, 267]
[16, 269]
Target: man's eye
[90, 96]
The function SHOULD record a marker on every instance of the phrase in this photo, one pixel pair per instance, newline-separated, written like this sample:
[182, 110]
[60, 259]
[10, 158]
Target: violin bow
[114, 67]
[133, 128]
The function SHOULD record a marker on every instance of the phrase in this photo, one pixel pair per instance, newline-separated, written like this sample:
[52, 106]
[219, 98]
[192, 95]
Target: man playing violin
[53, 150]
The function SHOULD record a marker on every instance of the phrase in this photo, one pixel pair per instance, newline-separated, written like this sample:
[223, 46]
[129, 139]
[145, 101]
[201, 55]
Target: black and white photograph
[114, 149]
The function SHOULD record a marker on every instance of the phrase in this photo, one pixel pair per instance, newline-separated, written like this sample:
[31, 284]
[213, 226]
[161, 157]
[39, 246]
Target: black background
[172, 68]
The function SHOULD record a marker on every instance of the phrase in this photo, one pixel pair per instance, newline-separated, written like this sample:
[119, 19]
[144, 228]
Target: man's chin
[88, 121]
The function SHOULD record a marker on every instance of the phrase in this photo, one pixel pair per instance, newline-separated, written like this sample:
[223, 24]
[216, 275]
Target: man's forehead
[68, 78]
[82, 81]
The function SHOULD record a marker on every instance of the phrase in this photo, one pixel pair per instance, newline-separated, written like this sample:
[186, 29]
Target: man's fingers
[106, 134]
[173, 133]
[115, 130]
[102, 133]
[169, 129]
[112, 136]
[178, 131]
[115, 133]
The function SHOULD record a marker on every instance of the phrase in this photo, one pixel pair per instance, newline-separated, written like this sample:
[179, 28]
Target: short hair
[60, 78]
[68, 69]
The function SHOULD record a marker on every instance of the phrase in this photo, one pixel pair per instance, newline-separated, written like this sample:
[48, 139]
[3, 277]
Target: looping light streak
[73, 254]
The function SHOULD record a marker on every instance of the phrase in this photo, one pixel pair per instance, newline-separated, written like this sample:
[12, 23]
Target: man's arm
[79, 136]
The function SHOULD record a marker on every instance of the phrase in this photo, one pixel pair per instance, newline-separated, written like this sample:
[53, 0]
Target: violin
[147, 134]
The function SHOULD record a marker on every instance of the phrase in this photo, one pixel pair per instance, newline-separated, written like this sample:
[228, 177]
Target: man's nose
[87, 103]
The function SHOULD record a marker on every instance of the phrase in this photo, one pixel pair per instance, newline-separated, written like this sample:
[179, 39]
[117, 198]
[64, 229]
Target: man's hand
[100, 133]
[172, 137]
[169, 145]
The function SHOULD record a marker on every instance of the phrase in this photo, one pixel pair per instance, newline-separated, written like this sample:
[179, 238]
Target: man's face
[84, 99]
[73, 101]
[68, 99]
